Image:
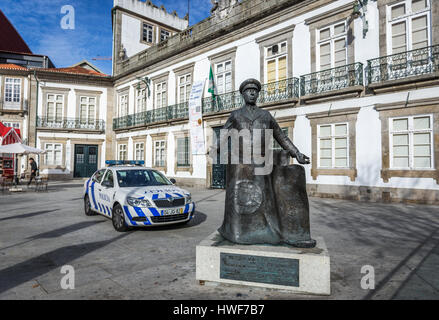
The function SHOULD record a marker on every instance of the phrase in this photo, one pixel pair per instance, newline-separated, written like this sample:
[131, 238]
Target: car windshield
[141, 178]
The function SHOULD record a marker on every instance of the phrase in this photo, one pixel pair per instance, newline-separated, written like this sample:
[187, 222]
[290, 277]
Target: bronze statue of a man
[271, 208]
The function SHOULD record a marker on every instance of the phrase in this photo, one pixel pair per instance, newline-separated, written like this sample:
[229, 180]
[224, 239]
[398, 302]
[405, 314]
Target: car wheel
[118, 219]
[87, 207]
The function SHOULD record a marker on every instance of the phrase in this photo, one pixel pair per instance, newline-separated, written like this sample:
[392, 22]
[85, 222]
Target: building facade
[74, 106]
[353, 83]
[139, 25]
[16, 62]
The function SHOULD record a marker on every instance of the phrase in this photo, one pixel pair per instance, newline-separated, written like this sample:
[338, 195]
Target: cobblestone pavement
[41, 232]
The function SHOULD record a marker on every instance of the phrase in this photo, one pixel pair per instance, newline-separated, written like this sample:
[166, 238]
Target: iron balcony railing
[403, 65]
[332, 79]
[222, 102]
[174, 112]
[70, 123]
[271, 92]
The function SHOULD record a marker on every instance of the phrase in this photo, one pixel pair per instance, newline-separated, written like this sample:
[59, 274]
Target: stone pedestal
[276, 267]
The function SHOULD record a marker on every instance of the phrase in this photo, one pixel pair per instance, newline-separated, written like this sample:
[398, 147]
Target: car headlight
[188, 199]
[142, 203]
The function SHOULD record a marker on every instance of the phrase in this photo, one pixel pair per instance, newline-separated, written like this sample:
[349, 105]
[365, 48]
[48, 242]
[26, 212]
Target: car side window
[97, 177]
[109, 178]
[159, 178]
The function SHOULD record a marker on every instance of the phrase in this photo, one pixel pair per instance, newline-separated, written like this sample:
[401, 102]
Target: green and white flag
[212, 88]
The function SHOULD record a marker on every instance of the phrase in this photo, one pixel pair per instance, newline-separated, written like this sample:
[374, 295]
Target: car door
[106, 193]
[94, 188]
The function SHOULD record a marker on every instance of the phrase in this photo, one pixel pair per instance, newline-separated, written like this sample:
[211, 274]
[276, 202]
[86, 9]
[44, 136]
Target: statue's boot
[303, 243]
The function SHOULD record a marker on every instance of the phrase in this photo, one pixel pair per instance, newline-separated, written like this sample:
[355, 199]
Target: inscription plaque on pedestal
[270, 270]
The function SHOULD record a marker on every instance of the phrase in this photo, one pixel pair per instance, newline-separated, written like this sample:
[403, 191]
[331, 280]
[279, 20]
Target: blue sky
[38, 22]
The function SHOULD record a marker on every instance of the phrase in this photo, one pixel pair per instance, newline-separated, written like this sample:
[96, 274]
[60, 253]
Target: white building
[67, 111]
[139, 25]
[356, 87]
[74, 106]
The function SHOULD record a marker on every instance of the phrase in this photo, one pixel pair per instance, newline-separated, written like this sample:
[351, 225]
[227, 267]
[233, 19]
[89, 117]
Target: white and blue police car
[135, 196]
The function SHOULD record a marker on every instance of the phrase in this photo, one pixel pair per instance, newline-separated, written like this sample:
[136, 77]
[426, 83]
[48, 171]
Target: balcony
[70, 124]
[284, 91]
[169, 113]
[338, 82]
[406, 68]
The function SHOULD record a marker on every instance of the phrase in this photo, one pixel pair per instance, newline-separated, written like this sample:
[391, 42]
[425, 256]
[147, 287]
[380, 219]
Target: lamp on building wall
[147, 82]
[357, 11]
[360, 9]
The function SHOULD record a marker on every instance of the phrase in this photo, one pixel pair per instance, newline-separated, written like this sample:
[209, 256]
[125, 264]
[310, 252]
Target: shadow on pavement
[28, 215]
[56, 233]
[65, 230]
[30, 269]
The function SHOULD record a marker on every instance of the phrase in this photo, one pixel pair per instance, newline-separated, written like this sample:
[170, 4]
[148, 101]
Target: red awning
[9, 135]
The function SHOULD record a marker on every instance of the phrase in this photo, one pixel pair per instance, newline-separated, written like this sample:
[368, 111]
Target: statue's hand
[302, 159]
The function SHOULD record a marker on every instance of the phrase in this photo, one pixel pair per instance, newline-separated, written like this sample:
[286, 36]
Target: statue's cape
[266, 209]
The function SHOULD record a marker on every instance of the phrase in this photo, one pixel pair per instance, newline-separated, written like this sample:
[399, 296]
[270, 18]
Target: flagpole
[212, 89]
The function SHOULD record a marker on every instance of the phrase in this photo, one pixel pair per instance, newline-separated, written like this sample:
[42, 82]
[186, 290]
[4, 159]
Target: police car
[135, 196]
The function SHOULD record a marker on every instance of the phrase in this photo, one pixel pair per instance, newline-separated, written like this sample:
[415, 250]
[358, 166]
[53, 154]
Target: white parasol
[18, 148]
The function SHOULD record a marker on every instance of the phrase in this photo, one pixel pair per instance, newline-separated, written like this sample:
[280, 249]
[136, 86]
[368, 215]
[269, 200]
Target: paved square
[41, 232]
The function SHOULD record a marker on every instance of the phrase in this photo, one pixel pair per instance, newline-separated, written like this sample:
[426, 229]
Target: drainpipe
[36, 112]
[36, 106]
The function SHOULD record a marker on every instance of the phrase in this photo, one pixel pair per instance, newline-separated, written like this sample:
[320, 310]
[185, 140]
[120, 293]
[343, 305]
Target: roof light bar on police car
[111, 163]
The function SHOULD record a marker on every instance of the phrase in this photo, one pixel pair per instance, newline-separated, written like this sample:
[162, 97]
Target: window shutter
[282, 68]
[399, 40]
[419, 32]
[271, 71]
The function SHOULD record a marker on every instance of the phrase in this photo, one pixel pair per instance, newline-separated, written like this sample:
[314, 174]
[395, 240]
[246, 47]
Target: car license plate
[170, 212]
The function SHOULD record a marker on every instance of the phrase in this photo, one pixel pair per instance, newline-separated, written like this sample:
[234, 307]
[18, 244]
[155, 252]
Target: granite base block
[276, 267]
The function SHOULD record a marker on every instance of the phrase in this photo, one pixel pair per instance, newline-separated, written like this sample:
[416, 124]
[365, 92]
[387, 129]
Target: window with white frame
[223, 72]
[276, 62]
[161, 95]
[164, 34]
[12, 92]
[160, 153]
[141, 100]
[332, 46]
[184, 87]
[87, 109]
[408, 25]
[123, 105]
[55, 107]
[53, 154]
[183, 156]
[333, 145]
[139, 150]
[122, 152]
[148, 33]
[411, 144]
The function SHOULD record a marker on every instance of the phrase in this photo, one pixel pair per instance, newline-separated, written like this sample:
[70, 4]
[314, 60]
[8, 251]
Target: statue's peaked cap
[252, 83]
